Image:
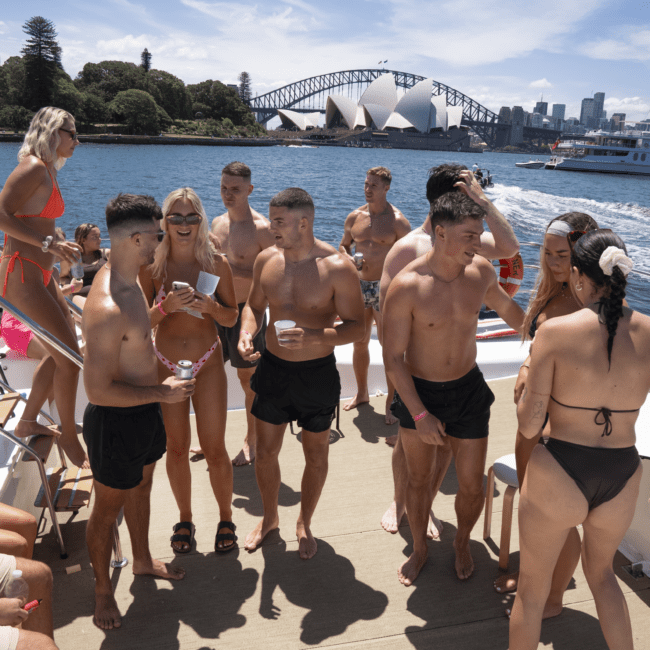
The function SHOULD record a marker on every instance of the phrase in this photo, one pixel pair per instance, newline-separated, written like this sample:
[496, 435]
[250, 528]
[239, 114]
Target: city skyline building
[558, 111]
[541, 107]
[599, 102]
[587, 112]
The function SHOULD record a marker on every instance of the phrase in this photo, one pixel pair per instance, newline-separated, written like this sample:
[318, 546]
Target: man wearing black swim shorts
[241, 233]
[430, 317]
[123, 426]
[308, 282]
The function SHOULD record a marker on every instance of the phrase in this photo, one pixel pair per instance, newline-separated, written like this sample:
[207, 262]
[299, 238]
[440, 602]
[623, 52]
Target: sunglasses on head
[189, 219]
[574, 235]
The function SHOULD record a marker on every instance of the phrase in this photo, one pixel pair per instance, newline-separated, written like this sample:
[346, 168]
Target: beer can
[358, 260]
[184, 370]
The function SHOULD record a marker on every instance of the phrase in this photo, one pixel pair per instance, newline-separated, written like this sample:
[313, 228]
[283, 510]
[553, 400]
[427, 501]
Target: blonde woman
[184, 252]
[30, 203]
[551, 298]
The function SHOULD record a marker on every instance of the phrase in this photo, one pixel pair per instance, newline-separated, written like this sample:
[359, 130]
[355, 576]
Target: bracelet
[161, 310]
[46, 243]
[245, 332]
[420, 416]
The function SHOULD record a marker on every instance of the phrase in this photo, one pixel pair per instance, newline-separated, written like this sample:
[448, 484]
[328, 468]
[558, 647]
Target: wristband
[74, 287]
[420, 416]
[245, 332]
[161, 310]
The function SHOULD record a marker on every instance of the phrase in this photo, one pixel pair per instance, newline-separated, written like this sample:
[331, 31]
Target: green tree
[42, 56]
[245, 86]
[139, 111]
[145, 60]
[66, 96]
[14, 76]
[170, 93]
[221, 102]
[95, 109]
[107, 78]
[15, 117]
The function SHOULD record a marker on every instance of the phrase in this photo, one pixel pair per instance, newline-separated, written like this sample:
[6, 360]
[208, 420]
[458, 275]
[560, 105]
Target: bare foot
[197, 451]
[550, 611]
[434, 527]
[245, 457]
[26, 428]
[158, 569]
[391, 441]
[464, 563]
[74, 451]
[389, 418]
[107, 615]
[263, 528]
[306, 542]
[506, 583]
[410, 570]
[356, 401]
[392, 517]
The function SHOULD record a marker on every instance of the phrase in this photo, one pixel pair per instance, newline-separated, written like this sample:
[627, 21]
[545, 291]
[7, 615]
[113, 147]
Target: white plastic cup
[281, 325]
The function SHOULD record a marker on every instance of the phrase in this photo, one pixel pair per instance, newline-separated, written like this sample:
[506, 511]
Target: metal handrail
[74, 308]
[46, 490]
[41, 333]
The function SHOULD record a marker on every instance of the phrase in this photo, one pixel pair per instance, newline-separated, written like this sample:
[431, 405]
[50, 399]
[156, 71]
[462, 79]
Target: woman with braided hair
[591, 371]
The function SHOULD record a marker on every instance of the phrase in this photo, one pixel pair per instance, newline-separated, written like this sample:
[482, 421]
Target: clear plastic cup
[281, 325]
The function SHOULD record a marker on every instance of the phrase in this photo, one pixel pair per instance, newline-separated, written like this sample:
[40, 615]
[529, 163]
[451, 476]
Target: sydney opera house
[381, 109]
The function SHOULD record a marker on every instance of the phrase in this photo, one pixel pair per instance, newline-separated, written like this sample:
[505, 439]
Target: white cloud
[629, 43]
[541, 83]
[635, 108]
[3, 28]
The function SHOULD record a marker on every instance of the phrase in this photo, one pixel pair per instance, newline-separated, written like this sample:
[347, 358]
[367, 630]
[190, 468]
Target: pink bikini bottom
[196, 366]
[16, 335]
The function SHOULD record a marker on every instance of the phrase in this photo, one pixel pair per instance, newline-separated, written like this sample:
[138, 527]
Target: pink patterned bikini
[197, 365]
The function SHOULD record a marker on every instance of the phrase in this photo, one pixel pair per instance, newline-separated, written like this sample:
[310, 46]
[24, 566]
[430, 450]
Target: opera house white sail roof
[380, 108]
[303, 121]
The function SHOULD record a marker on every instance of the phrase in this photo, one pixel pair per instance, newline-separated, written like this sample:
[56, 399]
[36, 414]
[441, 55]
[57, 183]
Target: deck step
[8, 403]
[42, 445]
[70, 488]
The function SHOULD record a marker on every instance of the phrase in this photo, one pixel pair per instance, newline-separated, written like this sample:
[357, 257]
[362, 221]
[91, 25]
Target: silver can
[358, 260]
[184, 370]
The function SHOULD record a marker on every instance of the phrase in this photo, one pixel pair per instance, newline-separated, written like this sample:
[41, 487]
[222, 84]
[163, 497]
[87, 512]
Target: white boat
[610, 153]
[531, 164]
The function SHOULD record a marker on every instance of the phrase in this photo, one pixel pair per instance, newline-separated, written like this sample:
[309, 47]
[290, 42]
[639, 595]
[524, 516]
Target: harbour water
[334, 177]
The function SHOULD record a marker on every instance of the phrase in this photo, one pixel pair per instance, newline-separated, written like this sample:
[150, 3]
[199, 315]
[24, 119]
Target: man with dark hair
[306, 282]
[241, 233]
[123, 426]
[430, 316]
[500, 242]
[372, 229]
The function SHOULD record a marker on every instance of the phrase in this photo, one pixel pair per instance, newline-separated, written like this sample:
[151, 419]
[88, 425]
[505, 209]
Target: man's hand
[431, 430]
[246, 349]
[298, 338]
[470, 186]
[177, 390]
[12, 612]
[520, 384]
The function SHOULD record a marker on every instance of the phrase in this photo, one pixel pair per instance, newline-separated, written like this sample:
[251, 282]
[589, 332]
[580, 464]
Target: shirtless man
[372, 229]
[241, 234]
[307, 281]
[430, 317]
[123, 426]
[500, 242]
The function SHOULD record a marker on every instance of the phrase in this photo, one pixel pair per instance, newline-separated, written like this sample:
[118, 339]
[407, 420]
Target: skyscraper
[587, 112]
[599, 101]
[558, 111]
[541, 108]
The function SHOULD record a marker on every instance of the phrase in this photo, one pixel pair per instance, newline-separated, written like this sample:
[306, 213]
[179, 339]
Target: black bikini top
[603, 410]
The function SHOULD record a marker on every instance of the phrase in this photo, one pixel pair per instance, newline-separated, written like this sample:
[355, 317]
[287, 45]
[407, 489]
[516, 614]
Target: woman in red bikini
[30, 202]
[184, 252]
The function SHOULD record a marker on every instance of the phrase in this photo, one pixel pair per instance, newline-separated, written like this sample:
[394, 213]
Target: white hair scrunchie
[613, 256]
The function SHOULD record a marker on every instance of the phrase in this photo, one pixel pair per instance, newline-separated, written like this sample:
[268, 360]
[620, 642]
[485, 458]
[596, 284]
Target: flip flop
[188, 539]
[224, 537]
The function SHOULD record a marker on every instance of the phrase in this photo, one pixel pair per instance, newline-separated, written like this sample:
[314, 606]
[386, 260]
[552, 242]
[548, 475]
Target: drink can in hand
[184, 370]
[358, 260]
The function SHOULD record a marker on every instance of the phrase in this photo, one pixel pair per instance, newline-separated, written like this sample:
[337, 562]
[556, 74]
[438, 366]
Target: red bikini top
[54, 207]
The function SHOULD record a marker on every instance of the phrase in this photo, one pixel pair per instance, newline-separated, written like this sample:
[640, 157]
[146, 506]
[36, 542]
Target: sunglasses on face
[73, 134]
[189, 219]
[160, 235]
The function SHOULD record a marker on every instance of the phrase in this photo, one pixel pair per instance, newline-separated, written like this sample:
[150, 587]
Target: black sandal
[224, 537]
[187, 539]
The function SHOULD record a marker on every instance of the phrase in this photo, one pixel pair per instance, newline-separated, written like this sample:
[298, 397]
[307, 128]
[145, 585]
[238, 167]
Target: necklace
[302, 259]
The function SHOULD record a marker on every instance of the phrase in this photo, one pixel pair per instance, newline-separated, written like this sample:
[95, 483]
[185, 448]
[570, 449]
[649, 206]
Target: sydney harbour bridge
[310, 95]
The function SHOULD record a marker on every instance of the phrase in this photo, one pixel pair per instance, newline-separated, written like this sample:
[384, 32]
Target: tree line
[144, 99]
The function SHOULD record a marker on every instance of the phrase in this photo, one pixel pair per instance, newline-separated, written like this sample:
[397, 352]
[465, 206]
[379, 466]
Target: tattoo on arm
[538, 410]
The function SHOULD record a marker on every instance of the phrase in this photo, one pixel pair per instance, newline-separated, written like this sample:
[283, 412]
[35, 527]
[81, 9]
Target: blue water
[334, 177]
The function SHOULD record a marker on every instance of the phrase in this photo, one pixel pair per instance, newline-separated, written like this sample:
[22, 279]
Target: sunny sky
[499, 52]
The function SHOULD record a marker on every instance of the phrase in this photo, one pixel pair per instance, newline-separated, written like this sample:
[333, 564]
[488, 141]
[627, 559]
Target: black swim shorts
[230, 339]
[121, 441]
[463, 405]
[306, 391]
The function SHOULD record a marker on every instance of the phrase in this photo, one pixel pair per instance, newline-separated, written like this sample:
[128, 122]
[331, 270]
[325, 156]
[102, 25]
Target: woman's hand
[66, 251]
[203, 303]
[178, 299]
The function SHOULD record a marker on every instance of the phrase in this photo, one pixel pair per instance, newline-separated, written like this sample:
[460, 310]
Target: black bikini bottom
[599, 472]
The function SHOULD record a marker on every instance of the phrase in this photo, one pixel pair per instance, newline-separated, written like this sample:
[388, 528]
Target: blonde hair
[546, 286]
[204, 251]
[42, 138]
[381, 172]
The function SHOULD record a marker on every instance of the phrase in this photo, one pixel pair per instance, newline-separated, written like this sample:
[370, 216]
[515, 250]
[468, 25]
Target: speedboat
[531, 164]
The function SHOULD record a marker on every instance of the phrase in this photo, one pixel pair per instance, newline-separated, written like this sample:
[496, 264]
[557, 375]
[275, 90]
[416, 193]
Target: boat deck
[348, 595]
